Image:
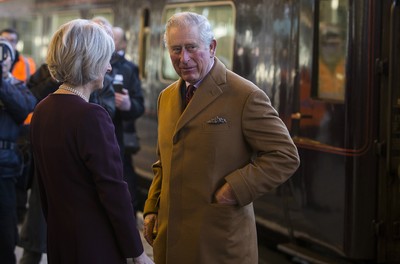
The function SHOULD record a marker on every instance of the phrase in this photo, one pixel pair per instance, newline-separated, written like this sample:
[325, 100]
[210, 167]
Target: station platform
[266, 254]
[148, 249]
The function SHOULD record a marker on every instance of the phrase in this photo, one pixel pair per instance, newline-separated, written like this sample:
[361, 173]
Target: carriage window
[332, 50]
[106, 13]
[61, 18]
[222, 19]
[144, 43]
[25, 26]
[323, 92]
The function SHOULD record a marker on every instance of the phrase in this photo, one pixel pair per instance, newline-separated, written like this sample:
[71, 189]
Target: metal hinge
[396, 230]
[380, 148]
[379, 228]
[381, 66]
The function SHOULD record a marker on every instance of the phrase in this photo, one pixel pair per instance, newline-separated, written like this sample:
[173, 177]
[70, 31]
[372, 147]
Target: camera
[2, 53]
[118, 83]
[5, 51]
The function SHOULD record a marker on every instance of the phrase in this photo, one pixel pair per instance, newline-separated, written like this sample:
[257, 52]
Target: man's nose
[185, 56]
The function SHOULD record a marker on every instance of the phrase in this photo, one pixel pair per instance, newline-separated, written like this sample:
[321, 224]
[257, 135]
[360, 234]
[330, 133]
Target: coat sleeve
[151, 204]
[275, 155]
[41, 83]
[17, 99]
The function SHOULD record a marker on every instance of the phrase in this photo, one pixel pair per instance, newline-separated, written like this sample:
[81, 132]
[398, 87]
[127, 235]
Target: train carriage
[330, 68]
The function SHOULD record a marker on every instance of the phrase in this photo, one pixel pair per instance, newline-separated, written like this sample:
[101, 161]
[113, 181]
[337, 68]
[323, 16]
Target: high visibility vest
[332, 81]
[23, 68]
[28, 119]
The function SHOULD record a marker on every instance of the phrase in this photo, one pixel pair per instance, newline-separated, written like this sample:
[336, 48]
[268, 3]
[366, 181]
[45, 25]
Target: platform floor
[267, 256]
[147, 247]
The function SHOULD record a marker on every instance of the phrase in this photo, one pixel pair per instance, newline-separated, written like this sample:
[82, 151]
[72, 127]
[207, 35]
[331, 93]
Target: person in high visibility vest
[332, 65]
[23, 67]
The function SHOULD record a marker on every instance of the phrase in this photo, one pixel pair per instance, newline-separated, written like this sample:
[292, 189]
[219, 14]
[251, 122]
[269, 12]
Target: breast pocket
[216, 123]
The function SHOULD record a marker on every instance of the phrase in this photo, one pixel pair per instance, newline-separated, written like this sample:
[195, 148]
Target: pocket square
[217, 120]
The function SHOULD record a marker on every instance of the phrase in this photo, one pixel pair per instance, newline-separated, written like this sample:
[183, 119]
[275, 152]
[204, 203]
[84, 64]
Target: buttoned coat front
[229, 132]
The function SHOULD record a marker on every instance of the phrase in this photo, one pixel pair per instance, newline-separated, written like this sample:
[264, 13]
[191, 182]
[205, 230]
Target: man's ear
[213, 47]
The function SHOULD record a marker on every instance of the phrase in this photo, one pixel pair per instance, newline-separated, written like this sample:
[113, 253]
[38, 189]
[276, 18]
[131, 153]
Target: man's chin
[189, 78]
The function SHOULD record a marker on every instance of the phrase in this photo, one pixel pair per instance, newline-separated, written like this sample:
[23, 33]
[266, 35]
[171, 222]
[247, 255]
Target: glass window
[61, 18]
[144, 43]
[106, 13]
[323, 93]
[222, 19]
[332, 50]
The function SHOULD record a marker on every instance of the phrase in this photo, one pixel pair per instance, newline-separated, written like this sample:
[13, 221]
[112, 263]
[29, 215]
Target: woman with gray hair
[85, 201]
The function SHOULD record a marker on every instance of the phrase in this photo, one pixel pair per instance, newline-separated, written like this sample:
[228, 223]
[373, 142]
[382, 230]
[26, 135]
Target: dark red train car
[330, 68]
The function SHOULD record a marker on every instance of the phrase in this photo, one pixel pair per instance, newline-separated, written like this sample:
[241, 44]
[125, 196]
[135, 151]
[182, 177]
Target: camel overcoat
[228, 132]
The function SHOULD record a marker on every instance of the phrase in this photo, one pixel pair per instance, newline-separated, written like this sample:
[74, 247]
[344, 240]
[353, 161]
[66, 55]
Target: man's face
[12, 38]
[190, 57]
[331, 51]
[119, 42]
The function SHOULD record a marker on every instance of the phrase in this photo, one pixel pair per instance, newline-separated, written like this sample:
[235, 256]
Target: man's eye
[190, 48]
[176, 50]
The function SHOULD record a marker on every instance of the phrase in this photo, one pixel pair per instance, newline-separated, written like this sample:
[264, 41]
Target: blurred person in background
[16, 102]
[22, 68]
[129, 104]
[331, 64]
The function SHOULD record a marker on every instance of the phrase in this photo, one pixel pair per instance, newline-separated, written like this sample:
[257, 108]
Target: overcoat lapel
[209, 90]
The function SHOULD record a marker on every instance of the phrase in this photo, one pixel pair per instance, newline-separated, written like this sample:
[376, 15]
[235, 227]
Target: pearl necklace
[76, 92]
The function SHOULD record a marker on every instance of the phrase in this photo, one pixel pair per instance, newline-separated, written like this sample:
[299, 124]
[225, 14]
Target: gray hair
[104, 23]
[190, 19]
[78, 51]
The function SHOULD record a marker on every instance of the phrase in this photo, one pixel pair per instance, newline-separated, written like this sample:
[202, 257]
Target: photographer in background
[22, 67]
[129, 105]
[16, 102]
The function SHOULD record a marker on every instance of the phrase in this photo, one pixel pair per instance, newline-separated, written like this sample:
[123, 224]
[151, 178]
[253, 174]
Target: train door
[335, 190]
[323, 79]
[388, 145]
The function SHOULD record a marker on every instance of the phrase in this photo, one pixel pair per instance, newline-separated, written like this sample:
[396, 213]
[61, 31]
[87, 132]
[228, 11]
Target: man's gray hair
[186, 19]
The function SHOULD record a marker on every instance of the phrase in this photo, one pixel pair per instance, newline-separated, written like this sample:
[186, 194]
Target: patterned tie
[189, 93]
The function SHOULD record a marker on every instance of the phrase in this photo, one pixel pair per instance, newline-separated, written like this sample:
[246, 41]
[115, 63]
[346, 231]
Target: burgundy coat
[84, 198]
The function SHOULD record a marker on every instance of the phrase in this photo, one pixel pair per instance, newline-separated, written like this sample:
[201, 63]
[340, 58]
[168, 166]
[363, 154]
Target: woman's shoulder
[96, 110]
[72, 104]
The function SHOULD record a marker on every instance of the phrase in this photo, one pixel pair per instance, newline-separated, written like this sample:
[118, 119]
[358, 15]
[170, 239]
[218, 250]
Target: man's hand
[150, 228]
[122, 100]
[225, 195]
